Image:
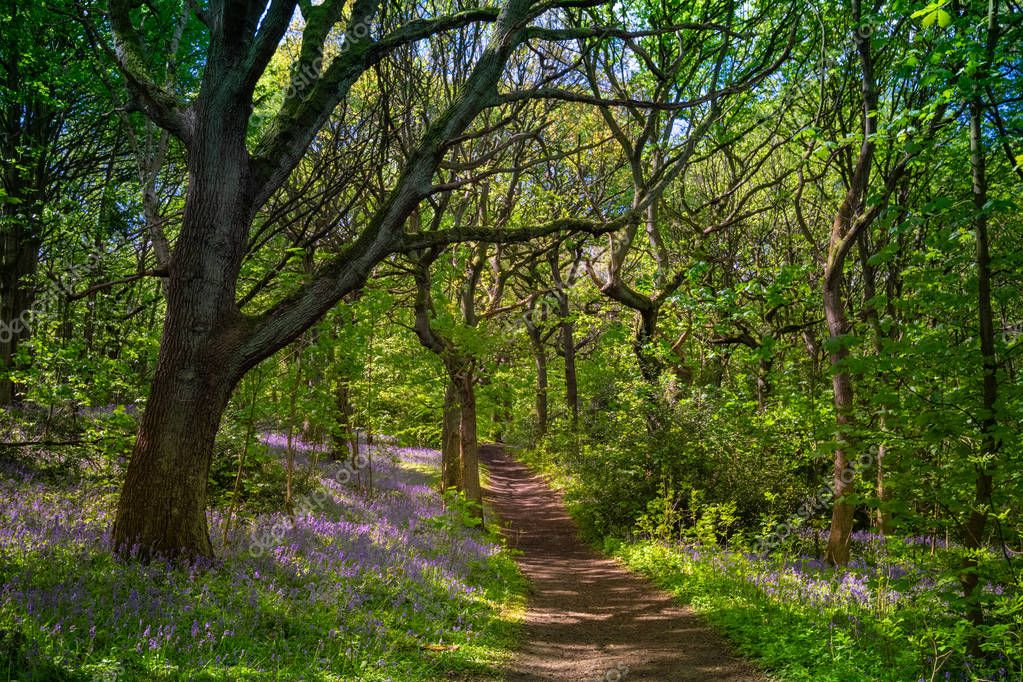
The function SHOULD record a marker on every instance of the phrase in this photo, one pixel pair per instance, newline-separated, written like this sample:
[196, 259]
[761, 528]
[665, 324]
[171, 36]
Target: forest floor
[589, 618]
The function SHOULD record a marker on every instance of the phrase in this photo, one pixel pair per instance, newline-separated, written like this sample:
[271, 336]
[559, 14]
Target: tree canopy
[745, 272]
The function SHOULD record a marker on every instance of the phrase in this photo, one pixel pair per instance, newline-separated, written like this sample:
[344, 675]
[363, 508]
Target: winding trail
[589, 618]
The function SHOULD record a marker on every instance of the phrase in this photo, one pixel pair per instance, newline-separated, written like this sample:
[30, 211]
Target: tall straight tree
[854, 217]
[847, 225]
[990, 442]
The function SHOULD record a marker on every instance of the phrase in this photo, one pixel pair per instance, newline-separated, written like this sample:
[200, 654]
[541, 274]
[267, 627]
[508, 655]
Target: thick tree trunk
[650, 366]
[646, 331]
[19, 258]
[207, 344]
[162, 506]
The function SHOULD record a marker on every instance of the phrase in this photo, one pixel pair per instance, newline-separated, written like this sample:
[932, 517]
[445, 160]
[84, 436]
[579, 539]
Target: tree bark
[19, 258]
[870, 310]
[843, 476]
[540, 360]
[763, 383]
[844, 232]
[451, 447]
[345, 439]
[32, 132]
[162, 507]
[460, 396]
[990, 442]
[469, 444]
[207, 344]
[566, 330]
[568, 355]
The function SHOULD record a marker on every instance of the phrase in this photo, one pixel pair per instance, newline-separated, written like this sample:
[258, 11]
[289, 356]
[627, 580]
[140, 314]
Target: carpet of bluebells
[360, 584]
[889, 616]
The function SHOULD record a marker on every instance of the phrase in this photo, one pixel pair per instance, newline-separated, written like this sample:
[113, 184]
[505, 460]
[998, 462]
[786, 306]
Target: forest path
[589, 618]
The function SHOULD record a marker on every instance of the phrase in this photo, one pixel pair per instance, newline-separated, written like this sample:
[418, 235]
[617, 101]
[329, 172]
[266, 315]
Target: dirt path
[589, 618]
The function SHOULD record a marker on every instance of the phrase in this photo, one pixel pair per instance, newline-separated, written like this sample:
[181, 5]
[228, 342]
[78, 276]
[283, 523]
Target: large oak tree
[208, 343]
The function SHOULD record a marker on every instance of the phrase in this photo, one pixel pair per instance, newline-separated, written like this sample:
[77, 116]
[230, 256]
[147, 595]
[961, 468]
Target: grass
[890, 616]
[792, 642]
[361, 585]
[506, 589]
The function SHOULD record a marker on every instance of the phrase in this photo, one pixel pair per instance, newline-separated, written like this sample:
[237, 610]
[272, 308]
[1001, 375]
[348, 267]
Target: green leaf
[933, 14]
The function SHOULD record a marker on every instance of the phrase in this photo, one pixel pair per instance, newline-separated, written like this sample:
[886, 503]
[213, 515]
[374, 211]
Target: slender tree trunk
[460, 467]
[870, 309]
[984, 486]
[568, 354]
[540, 355]
[292, 426]
[763, 383]
[844, 232]
[884, 517]
[469, 443]
[345, 437]
[451, 447]
[250, 426]
[540, 360]
[843, 477]
[502, 415]
[566, 332]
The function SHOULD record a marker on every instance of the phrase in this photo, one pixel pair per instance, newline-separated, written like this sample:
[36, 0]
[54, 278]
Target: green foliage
[344, 604]
[464, 512]
[734, 435]
[771, 611]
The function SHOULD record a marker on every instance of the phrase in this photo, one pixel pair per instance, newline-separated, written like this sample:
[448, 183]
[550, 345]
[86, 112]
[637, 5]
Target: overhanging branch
[440, 238]
[160, 104]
